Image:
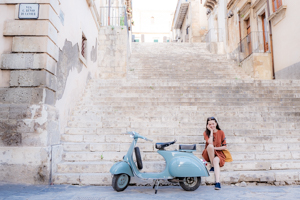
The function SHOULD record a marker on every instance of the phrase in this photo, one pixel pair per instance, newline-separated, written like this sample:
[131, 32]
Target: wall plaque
[29, 11]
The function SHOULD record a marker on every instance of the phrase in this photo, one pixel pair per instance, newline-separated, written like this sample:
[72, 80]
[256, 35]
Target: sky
[157, 5]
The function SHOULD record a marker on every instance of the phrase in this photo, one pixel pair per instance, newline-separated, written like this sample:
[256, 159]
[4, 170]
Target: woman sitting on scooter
[215, 143]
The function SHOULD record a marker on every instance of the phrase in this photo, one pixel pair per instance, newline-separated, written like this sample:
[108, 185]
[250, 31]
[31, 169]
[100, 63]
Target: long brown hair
[210, 119]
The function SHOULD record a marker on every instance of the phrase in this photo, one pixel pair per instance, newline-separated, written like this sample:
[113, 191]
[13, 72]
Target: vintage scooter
[181, 166]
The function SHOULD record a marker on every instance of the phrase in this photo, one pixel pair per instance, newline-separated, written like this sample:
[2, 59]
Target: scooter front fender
[187, 167]
[121, 168]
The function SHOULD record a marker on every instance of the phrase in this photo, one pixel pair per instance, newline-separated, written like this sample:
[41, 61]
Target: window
[265, 33]
[276, 4]
[83, 46]
[152, 20]
[155, 40]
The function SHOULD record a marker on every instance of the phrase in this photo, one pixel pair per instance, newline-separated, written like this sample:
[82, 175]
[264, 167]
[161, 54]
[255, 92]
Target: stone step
[195, 105]
[201, 82]
[221, 111]
[159, 166]
[268, 152]
[157, 91]
[179, 124]
[92, 96]
[229, 177]
[181, 132]
[149, 110]
[185, 117]
[253, 151]
[200, 97]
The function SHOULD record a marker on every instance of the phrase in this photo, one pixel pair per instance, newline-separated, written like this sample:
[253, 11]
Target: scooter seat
[187, 147]
[161, 146]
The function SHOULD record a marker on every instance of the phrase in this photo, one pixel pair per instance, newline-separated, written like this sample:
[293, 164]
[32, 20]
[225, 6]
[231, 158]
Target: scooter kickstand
[156, 188]
[154, 184]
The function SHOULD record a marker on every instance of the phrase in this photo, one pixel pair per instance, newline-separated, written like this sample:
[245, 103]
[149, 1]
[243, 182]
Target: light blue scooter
[181, 166]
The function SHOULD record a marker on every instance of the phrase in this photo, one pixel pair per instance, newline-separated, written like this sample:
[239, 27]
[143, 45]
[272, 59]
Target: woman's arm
[221, 148]
[211, 138]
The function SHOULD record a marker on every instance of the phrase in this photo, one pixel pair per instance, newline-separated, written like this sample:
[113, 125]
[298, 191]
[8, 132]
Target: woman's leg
[211, 153]
[217, 168]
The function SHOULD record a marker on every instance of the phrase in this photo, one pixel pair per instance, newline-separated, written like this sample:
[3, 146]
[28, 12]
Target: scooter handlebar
[148, 139]
[134, 134]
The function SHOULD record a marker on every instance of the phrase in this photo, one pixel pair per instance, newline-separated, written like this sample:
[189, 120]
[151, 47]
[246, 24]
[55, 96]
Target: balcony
[113, 16]
[181, 11]
[254, 42]
[210, 4]
[253, 53]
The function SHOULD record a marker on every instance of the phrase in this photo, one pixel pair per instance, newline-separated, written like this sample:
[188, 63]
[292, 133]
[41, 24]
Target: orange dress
[219, 140]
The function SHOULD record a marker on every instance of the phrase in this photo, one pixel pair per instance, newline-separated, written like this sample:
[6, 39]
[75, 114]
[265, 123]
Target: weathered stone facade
[189, 22]
[257, 34]
[42, 69]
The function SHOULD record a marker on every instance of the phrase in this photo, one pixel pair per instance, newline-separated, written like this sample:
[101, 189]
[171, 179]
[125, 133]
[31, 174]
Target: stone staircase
[169, 91]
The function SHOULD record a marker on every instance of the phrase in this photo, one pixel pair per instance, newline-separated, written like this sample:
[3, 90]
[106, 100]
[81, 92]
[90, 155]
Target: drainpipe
[240, 33]
[271, 40]
[108, 12]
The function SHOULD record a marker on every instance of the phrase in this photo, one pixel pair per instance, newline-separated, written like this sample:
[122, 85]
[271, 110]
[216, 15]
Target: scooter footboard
[121, 168]
[187, 167]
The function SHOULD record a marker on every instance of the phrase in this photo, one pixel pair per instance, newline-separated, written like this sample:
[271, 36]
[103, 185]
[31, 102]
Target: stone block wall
[28, 117]
[113, 52]
[43, 74]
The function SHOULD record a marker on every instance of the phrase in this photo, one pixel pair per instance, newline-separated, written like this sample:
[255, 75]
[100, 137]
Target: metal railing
[113, 16]
[212, 36]
[254, 42]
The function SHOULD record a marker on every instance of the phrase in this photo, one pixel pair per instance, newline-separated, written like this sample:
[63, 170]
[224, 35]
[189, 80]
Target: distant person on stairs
[215, 143]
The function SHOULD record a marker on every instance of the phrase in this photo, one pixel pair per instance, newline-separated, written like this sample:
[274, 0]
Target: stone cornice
[211, 4]
[245, 6]
[230, 3]
[257, 2]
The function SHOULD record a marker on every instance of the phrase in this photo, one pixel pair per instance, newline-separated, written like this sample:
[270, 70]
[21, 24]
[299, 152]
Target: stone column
[29, 120]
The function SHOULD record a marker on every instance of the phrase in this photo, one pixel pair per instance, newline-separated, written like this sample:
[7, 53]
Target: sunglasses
[211, 118]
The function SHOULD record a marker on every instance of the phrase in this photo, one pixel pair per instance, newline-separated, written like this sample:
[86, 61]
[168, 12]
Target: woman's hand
[209, 128]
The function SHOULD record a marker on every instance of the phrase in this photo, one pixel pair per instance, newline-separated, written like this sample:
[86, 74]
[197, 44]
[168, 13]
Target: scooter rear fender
[121, 168]
[187, 167]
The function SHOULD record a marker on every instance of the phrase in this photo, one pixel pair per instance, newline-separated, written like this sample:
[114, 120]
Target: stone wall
[286, 40]
[258, 66]
[45, 75]
[113, 52]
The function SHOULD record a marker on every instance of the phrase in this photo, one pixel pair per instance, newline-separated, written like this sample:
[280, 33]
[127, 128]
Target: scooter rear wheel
[120, 182]
[190, 183]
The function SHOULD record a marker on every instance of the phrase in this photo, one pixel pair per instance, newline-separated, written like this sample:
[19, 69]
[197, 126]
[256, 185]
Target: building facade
[257, 34]
[152, 21]
[189, 22]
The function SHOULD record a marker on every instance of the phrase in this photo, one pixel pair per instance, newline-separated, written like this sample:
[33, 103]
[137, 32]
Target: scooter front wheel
[120, 182]
[190, 183]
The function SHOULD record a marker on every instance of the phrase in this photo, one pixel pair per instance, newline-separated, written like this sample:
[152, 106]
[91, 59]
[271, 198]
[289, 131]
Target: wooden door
[276, 4]
[249, 37]
[265, 34]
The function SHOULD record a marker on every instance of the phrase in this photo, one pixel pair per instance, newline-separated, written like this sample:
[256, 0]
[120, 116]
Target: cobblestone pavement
[66, 192]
